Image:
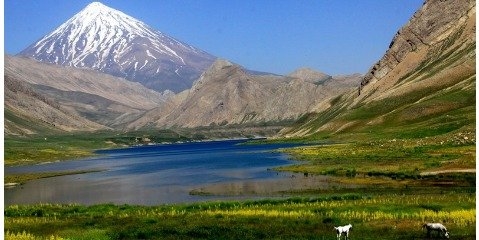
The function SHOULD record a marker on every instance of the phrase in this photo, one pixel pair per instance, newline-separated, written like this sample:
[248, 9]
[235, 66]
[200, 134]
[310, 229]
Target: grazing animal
[436, 227]
[343, 229]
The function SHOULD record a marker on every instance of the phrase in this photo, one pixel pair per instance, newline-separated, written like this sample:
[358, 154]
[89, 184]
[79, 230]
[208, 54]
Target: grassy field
[373, 216]
[393, 158]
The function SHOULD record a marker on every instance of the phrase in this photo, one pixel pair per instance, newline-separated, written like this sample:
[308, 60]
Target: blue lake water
[150, 175]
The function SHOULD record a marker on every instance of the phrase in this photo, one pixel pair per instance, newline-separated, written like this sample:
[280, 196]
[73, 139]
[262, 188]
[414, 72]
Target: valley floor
[387, 189]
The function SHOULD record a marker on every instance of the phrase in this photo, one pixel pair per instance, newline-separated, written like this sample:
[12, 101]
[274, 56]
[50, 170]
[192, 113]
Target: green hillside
[434, 98]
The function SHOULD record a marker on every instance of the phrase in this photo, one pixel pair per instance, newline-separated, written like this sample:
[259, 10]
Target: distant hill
[423, 86]
[227, 94]
[69, 99]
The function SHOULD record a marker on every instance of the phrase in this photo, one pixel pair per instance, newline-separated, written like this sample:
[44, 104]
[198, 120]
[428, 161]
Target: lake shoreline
[147, 175]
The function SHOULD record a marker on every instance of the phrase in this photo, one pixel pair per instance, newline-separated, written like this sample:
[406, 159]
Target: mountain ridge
[228, 95]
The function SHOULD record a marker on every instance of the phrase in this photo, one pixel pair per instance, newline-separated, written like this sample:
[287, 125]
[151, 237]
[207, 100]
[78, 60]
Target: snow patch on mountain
[105, 39]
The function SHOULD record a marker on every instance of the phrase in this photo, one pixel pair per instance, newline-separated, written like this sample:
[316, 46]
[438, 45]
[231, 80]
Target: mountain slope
[436, 32]
[100, 98]
[423, 86]
[28, 112]
[227, 94]
[107, 40]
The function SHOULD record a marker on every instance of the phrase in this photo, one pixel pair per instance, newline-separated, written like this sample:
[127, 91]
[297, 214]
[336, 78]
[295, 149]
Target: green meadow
[388, 215]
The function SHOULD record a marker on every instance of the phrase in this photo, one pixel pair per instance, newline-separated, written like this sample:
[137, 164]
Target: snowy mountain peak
[96, 13]
[95, 10]
[102, 38]
[97, 5]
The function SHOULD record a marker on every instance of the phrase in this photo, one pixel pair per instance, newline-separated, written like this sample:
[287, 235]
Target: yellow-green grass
[392, 157]
[373, 215]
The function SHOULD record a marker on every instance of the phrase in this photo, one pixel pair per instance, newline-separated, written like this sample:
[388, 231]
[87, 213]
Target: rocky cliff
[432, 25]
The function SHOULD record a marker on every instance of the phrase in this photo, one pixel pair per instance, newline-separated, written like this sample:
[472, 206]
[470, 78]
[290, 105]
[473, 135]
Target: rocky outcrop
[429, 25]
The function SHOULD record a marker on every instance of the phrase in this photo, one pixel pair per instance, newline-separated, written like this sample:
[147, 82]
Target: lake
[151, 175]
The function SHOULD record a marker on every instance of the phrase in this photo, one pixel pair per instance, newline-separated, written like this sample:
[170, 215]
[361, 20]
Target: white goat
[343, 229]
[437, 227]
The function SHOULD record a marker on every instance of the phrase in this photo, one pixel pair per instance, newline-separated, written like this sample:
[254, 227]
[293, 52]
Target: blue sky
[333, 36]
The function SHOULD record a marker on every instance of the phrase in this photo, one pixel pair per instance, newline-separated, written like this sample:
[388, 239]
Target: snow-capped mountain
[105, 39]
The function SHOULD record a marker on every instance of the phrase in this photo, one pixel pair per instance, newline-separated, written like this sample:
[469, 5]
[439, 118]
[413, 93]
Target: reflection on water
[288, 184]
[151, 175]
